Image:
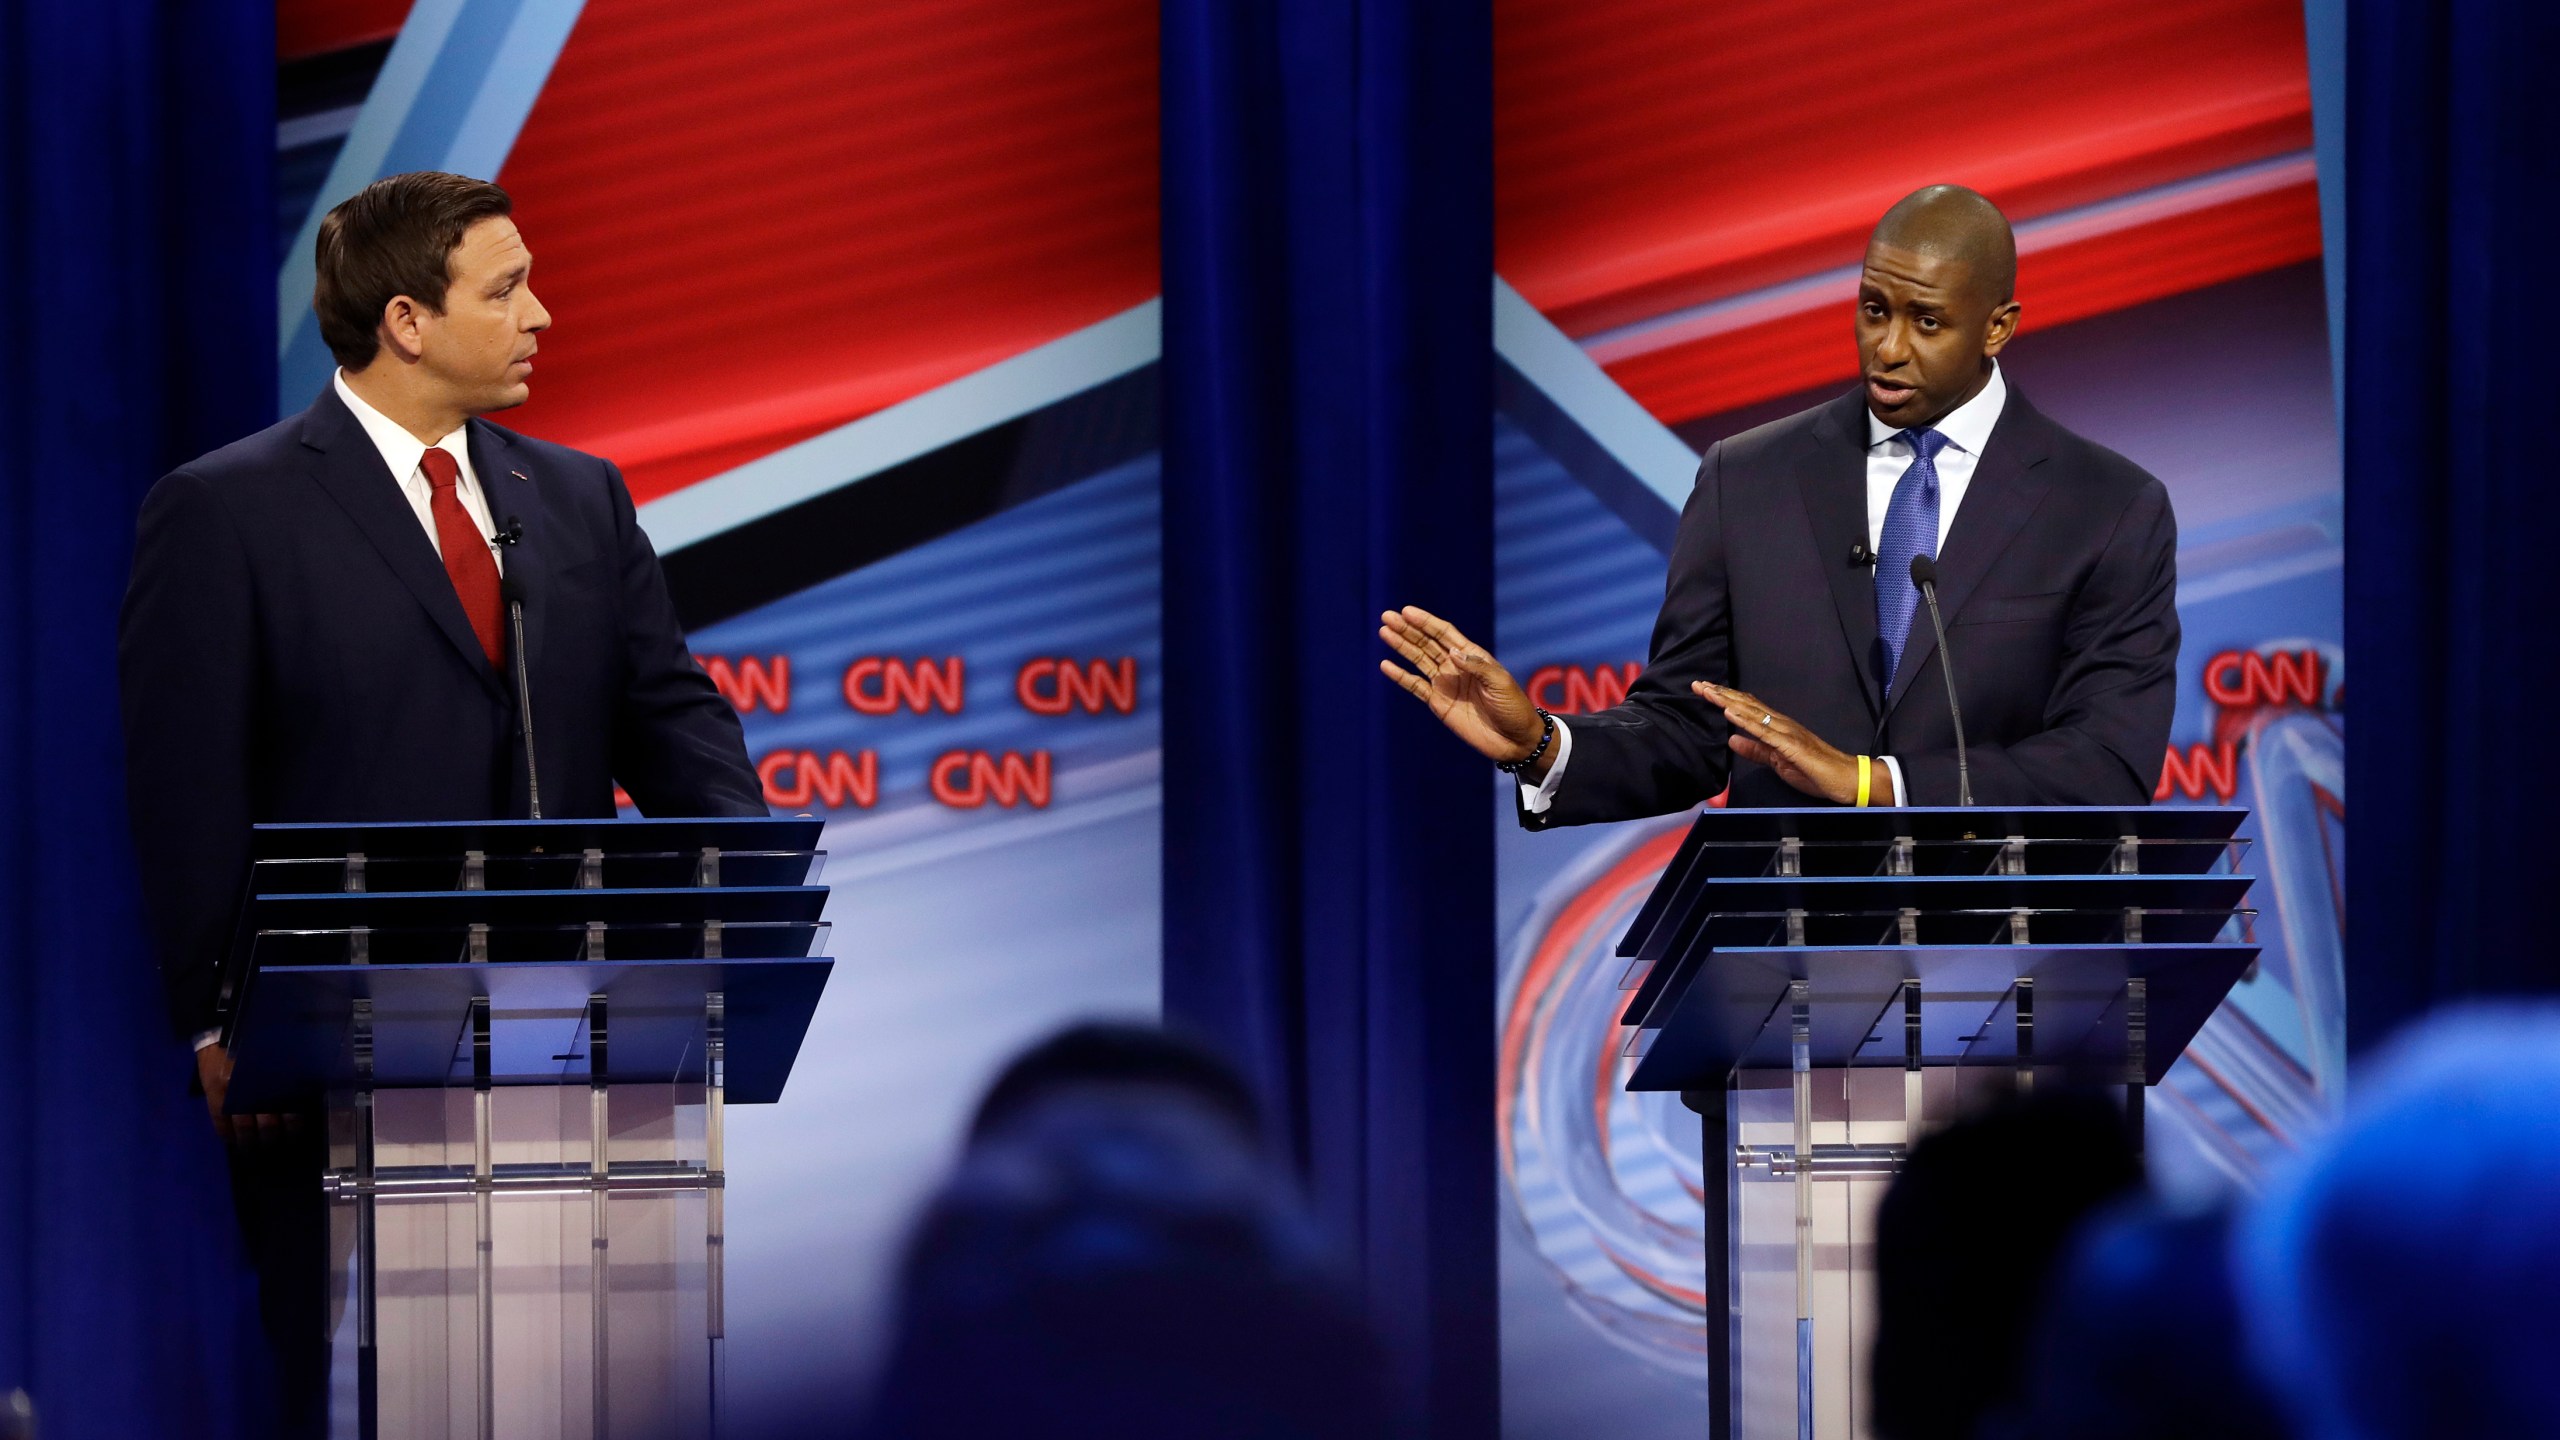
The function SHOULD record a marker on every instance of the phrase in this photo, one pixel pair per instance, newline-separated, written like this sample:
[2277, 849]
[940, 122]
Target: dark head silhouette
[1116, 1258]
[1106, 1054]
[1965, 1240]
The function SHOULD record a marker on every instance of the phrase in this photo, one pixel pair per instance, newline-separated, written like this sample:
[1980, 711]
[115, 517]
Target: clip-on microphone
[1924, 573]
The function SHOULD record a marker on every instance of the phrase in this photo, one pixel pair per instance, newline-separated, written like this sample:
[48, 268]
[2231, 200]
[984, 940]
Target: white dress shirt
[1967, 428]
[403, 452]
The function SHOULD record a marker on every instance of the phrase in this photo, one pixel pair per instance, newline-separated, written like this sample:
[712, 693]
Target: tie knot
[443, 471]
[1924, 443]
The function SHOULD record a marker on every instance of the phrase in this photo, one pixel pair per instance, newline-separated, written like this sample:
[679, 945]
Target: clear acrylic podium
[525, 1034]
[1819, 985]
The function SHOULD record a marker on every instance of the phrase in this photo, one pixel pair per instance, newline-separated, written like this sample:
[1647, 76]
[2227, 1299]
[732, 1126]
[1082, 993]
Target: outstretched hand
[1800, 757]
[1467, 688]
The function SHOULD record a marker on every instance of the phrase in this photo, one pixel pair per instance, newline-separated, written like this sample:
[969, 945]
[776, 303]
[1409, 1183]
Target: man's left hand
[1800, 757]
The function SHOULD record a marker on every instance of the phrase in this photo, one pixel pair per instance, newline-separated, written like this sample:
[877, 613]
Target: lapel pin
[521, 476]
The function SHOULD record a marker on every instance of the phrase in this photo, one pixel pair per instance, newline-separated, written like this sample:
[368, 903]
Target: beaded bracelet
[1546, 737]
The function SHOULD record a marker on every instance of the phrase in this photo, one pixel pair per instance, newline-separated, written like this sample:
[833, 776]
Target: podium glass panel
[593, 1314]
[526, 1034]
[1822, 985]
[504, 1273]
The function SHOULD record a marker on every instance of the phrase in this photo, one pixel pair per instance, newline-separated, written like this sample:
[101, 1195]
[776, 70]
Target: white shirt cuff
[1536, 798]
[209, 1037]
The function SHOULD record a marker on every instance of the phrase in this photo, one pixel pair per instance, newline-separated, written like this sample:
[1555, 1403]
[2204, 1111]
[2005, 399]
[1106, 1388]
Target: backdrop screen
[861, 299]
[1683, 194]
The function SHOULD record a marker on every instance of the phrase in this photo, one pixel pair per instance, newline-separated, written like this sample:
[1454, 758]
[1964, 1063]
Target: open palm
[1467, 688]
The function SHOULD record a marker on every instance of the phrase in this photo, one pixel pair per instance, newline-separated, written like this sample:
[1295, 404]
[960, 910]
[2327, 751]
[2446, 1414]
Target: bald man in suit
[1793, 657]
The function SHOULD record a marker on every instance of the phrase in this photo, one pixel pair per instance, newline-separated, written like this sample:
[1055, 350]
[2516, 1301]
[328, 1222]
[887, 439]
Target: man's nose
[1894, 346]
[540, 319]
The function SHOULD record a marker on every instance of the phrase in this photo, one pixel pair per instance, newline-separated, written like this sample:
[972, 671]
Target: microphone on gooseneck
[1924, 573]
[510, 591]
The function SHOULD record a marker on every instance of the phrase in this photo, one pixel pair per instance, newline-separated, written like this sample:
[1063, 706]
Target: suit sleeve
[1662, 749]
[2107, 723]
[677, 745]
[187, 660]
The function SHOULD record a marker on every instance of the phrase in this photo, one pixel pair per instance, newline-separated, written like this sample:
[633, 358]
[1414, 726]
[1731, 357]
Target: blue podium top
[363, 950]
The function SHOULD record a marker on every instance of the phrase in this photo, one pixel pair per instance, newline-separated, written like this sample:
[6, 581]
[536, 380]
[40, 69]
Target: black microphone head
[509, 592]
[1924, 570]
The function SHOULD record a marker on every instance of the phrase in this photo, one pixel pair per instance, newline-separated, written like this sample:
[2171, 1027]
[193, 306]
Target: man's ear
[2003, 326]
[401, 329]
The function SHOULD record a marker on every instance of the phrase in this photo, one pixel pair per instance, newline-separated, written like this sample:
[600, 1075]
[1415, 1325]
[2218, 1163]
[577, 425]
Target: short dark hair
[394, 237]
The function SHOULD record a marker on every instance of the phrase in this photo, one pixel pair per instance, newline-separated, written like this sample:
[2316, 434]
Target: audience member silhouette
[1115, 1255]
[2401, 1282]
[2142, 1338]
[1966, 1240]
[1123, 1058]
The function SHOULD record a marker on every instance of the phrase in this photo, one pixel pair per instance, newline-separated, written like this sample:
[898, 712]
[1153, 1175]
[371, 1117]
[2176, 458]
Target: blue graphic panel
[966, 926]
[1601, 1228]
[1602, 1253]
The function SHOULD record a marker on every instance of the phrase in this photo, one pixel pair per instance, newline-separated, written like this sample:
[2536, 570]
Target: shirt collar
[399, 449]
[1967, 427]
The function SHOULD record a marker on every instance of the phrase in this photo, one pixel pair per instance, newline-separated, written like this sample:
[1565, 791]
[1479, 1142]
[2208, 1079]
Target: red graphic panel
[316, 27]
[2106, 272]
[750, 228]
[1653, 155]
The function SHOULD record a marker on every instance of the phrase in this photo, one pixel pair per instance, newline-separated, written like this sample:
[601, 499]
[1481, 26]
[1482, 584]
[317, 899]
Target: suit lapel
[1834, 485]
[2007, 487]
[351, 472]
[515, 500]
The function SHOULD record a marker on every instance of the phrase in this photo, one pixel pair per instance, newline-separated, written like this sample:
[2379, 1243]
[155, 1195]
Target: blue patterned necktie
[1910, 528]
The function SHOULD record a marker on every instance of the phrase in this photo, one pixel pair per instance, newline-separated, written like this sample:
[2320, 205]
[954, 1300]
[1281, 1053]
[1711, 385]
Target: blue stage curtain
[2453, 506]
[137, 250]
[1328, 870]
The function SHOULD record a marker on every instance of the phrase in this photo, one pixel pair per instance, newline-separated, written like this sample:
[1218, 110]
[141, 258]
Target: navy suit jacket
[292, 650]
[2058, 581]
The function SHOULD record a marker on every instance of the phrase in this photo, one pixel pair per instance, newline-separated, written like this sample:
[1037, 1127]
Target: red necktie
[466, 552]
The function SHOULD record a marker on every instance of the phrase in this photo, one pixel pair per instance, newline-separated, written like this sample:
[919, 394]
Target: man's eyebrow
[521, 269]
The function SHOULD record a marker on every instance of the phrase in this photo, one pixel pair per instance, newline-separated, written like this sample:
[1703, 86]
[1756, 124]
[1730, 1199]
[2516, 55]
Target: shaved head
[1954, 223]
[1937, 299]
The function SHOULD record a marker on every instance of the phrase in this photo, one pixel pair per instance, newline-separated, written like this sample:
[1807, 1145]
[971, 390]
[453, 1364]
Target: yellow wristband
[1866, 775]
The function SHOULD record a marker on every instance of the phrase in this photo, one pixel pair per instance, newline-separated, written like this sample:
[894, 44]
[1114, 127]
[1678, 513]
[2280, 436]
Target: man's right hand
[1467, 688]
[213, 1067]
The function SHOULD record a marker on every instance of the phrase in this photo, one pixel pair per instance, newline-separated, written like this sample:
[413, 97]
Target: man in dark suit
[315, 631]
[1791, 633]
